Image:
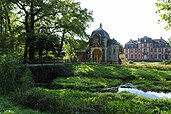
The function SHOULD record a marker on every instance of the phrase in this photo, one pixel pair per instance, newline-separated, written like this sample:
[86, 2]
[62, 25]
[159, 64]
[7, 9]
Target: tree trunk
[31, 43]
[25, 52]
[27, 38]
[62, 43]
[9, 27]
[1, 20]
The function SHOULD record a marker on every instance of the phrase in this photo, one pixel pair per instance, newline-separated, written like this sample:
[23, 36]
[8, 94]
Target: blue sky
[126, 19]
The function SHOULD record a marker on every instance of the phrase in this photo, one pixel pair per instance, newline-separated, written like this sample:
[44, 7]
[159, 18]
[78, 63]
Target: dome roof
[101, 32]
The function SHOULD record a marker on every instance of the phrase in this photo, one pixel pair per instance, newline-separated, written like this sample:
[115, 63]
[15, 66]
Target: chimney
[100, 25]
[161, 38]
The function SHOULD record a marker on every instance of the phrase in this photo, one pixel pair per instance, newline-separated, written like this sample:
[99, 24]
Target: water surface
[148, 94]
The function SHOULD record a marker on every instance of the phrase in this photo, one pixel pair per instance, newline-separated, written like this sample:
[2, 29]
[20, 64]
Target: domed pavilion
[102, 48]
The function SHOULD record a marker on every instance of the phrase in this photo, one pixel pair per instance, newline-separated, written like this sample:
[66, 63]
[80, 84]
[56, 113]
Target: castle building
[102, 48]
[147, 49]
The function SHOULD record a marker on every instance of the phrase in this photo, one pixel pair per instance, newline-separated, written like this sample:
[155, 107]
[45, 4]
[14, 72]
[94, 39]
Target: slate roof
[157, 42]
[101, 32]
[111, 41]
[132, 42]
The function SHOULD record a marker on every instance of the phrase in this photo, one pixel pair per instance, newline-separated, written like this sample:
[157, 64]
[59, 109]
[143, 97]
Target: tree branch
[21, 6]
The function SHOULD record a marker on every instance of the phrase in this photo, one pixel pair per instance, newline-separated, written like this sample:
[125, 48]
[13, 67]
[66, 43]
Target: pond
[148, 94]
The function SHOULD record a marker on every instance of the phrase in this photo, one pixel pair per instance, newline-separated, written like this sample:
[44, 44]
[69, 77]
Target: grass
[84, 83]
[145, 77]
[9, 107]
[79, 93]
[66, 101]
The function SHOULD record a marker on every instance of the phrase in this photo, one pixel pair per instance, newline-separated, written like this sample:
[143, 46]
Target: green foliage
[154, 77]
[8, 107]
[84, 83]
[168, 62]
[73, 94]
[72, 101]
[38, 28]
[13, 75]
[131, 62]
[73, 46]
[164, 11]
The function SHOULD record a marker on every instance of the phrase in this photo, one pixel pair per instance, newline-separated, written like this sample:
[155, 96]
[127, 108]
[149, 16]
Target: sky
[126, 19]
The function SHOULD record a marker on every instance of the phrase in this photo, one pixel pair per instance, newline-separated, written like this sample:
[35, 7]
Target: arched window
[114, 51]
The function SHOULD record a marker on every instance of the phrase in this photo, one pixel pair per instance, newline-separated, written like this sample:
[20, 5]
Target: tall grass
[84, 83]
[72, 94]
[66, 101]
[8, 107]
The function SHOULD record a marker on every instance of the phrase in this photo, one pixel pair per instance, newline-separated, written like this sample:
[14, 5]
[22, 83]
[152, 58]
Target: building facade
[102, 48]
[147, 49]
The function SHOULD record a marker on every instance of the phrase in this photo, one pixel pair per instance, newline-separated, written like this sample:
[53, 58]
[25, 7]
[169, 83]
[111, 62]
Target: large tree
[58, 18]
[6, 31]
[164, 11]
[70, 21]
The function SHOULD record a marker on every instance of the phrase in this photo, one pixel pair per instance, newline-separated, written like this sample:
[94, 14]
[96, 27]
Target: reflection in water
[148, 94]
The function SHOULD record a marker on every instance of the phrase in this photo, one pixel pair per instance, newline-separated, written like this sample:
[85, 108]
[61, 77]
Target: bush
[167, 62]
[13, 76]
[131, 62]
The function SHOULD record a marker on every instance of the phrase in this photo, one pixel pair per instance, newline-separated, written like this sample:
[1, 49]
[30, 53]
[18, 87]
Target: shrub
[131, 62]
[13, 76]
[167, 62]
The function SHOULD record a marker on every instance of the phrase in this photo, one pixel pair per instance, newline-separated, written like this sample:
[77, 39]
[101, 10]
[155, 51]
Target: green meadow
[79, 92]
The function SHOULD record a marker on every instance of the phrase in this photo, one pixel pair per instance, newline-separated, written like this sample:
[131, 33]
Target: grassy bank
[146, 77]
[66, 101]
[80, 92]
[7, 106]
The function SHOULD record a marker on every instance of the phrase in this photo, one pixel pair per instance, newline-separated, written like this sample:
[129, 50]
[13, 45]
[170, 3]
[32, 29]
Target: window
[126, 56]
[151, 45]
[160, 56]
[155, 56]
[135, 50]
[155, 50]
[151, 56]
[145, 45]
[166, 50]
[135, 56]
[159, 50]
[151, 49]
[131, 56]
[131, 50]
[115, 51]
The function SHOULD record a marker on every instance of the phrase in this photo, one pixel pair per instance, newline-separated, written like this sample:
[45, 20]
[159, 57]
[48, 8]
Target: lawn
[152, 77]
[80, 92]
